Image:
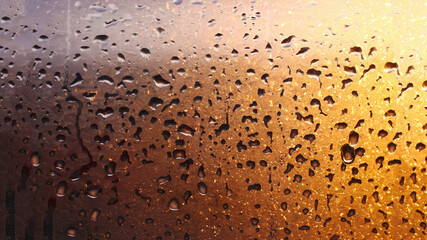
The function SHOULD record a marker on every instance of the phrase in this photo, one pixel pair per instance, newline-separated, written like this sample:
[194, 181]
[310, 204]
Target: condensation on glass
[192, 119]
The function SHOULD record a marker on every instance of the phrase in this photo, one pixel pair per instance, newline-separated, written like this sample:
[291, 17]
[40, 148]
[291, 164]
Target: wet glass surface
[192, 119]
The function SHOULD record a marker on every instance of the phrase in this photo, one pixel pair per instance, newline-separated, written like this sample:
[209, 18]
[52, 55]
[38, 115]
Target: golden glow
[214, 119]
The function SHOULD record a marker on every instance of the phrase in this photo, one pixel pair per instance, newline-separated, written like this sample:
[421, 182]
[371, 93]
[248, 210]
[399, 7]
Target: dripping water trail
[48, 220]
[29, 230]
[48, 226]
[79, 135]
[92, 163]
[10, 217]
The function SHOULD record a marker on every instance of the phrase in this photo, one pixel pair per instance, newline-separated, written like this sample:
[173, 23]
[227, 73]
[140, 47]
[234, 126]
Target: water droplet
[420, 146]
[390, 67]
[186, 130]
[101, 37]
[160, 81]
[203, 189]
[61, 189]
[173, 204]
[35, 159]
[382, 133]
[187, 196]
[95, 214]
[145, 53]
[71, 232]
[287, 42]
[105, 79]
[120, 220]
[5, 19]
[347, 153]
[110, 168]
[353, 138]
[163, 180]
[201, 172]
[303, 51]
[93, 191]
[179, 154]
[59, 164]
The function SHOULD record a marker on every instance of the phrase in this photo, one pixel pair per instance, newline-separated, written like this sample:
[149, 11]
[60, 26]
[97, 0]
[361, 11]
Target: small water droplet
[145, 52]
[110, 168]
[160, 81]
[95, 214]
[93, 191]
[35, 159]
[201, 172]
[203, 189]
[353, 138]
[186, 130]
[71, 232]
[347, 153]
[61, 189]
[173, 204]
[59, 164]
[163, 180]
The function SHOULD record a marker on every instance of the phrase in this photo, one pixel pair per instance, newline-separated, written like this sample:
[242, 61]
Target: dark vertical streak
[48, 220]
[10, 217]
[25, 173]
[48, 226]
[29, 230]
